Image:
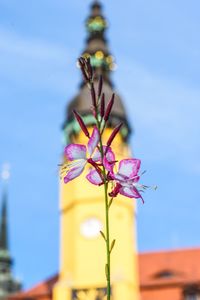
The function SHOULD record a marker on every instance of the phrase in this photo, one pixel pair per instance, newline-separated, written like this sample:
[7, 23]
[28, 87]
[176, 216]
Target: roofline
[178, 283]
[162, 251]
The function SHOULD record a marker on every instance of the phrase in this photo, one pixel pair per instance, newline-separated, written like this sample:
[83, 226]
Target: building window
[164, 274]
[89, 294]
[191, 293]
[192, 297]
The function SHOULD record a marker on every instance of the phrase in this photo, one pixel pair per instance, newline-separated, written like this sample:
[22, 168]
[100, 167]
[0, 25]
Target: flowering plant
[123, 180]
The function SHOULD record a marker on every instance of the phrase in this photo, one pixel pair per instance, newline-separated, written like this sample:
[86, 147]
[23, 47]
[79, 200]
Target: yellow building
[82, 257]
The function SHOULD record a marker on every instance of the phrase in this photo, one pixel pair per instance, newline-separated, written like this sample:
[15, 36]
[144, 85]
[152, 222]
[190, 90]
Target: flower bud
[102, 106]
[89, 68]
[81, 123]
[82, 66]
[113, 134]
[100, 86]
[82, 61]
[115, 190]
[93, 94]
[109, 108]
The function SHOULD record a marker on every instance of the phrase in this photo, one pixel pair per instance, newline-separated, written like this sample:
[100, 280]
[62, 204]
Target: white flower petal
[129, 167]
[130, 192]
[75, 171]
[75, 151]
[94, 177]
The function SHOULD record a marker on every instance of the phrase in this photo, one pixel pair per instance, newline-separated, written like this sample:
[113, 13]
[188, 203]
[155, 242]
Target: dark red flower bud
[113, 134]
[82, 61]
[89, 68]
[93, 94]
[81, 123]
[115, 191]
[92, 162]
[109, 108]
[82, 66]
[102, 106]
[100, 86]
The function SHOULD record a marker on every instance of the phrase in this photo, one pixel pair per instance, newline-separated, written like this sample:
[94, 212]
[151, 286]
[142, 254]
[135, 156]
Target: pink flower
[127, 179]
[79, 155]
[94, 176]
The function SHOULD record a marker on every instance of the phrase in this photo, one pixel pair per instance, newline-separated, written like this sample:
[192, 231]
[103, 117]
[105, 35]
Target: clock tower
[82, 249]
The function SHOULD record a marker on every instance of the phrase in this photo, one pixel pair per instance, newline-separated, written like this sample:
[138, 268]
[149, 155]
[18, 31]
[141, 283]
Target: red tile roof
[184, 266]
[163, 275]
[42, 291]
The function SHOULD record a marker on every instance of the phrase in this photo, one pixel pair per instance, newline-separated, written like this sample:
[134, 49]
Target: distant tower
[82, 260]
[8, 284]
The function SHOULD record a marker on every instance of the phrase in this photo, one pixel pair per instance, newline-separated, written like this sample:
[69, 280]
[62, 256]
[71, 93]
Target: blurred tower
[8, 284]
[82, 257]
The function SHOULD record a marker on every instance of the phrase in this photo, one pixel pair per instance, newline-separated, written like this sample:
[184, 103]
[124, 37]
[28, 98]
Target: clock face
[91, 227]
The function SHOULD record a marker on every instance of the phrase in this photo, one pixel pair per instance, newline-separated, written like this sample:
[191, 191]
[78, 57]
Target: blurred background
[157, 49]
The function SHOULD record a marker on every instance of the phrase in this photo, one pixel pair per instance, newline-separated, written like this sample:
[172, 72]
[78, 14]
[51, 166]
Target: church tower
[8, 284]
[82, 249]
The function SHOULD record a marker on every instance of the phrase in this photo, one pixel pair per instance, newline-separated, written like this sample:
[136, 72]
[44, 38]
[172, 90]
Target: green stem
[107, 241]
[106, 216]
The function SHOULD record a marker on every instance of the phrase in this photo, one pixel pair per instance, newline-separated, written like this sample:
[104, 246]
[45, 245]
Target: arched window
[164, 274]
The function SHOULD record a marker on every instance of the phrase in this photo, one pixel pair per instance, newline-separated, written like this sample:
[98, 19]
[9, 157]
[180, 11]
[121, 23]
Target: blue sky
[157, 47]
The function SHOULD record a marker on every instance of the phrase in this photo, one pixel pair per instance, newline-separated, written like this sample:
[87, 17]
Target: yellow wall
[82, 260]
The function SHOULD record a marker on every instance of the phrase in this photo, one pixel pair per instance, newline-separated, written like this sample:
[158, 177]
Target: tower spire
[3, 224]
[8, 284]
[103, 63]
[96, 43]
